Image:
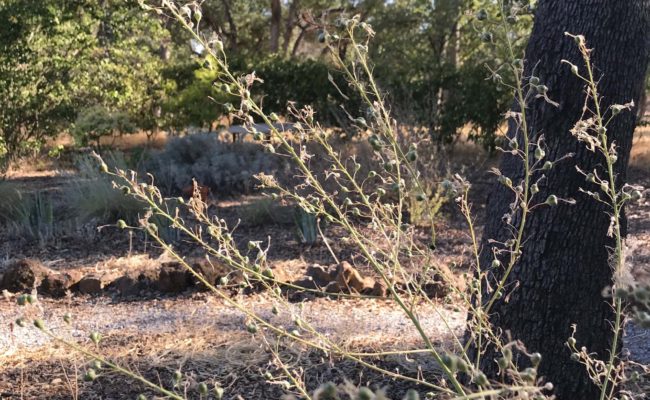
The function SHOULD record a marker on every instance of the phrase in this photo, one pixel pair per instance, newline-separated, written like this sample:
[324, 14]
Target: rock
[437, 284]
[211, 271]
[90, 284]
[173, 278]
[57, 284]
[380, 289]
[134, 282]
[23, 275]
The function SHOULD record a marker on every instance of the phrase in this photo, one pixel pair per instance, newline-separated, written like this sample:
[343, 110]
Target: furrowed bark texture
[559, 279]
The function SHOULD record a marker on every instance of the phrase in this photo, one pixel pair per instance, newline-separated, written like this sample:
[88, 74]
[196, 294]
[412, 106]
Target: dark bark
[276, 20]
[232, 33]
[564, 265]
[290, 24]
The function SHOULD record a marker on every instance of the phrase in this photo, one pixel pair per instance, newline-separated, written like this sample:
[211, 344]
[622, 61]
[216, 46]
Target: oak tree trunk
[276, 20]
[559, 279]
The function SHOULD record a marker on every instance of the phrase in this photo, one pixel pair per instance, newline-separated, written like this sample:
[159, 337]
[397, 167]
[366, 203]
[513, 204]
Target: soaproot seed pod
[95, 337]
[480, 378]
[203, 388]
[535, 359]
[552, 200]
[486, 37]
[90, 375]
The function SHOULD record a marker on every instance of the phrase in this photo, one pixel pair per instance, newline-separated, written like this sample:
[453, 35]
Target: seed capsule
[480, 379]
[90, 375]
[486, 37]
[95, 337]
[535, 358]
[203, 388]
[552, 200]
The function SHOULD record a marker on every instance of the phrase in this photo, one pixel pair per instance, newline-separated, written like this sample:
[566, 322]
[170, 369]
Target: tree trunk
[276, 20]
[560, 276]
[290, 24]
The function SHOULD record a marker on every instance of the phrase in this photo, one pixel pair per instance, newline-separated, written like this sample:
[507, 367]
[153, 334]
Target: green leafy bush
[95, 122]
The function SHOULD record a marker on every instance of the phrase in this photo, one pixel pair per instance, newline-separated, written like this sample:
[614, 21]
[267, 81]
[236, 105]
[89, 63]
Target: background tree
[559, 278]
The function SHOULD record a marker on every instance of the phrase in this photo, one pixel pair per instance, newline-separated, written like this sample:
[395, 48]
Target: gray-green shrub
[94, 196]
[226, 168]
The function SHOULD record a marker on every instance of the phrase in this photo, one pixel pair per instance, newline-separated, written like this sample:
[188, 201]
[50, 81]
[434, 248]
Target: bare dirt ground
[206, 338]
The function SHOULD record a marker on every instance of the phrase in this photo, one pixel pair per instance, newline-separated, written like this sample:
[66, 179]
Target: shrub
[94, 122]
[26, 215]
[95, 196]
[223, 167]
[265, 211]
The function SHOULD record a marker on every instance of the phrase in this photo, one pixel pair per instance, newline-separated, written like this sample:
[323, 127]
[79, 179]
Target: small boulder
[57, 284]
[90, 284]
[211, 271]
[23, 275]
[134, 282]
[173, 278]
[380, 289]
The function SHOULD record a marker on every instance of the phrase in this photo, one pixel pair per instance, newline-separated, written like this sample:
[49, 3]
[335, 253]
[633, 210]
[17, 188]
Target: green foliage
[95, 122]
[306, 226]
[265, 211]
[304, 82]
[199, 102]
[58, 58]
